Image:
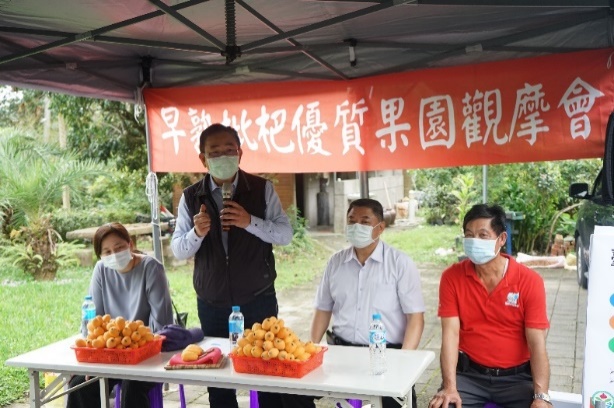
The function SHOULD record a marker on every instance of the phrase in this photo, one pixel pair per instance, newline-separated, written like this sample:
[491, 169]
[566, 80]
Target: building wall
[386, 187]
[285, 189]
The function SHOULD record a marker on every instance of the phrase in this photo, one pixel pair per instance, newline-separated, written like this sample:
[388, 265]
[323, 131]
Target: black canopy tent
[110, 48]
[113, 48]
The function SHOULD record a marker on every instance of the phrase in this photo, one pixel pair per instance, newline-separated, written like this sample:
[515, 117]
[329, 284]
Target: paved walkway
[565, 341]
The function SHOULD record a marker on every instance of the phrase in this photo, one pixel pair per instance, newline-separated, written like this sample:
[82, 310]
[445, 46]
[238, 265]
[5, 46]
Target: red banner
[547, 108]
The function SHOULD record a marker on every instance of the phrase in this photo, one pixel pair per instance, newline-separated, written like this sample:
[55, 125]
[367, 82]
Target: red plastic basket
[115, 356]
[285, 368]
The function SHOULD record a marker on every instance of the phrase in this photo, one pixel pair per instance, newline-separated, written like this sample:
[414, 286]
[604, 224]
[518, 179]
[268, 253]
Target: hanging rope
[151, 190]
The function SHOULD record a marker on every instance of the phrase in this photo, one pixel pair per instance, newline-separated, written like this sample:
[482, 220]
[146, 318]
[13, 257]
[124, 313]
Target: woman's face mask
[118, 261]
[359, 235]
[480, 251]
[223, 167]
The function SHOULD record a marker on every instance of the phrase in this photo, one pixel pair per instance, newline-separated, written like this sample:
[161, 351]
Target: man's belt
[332, 338]
[496, 372]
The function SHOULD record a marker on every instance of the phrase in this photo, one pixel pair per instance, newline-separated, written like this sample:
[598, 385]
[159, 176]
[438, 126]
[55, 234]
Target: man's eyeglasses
[228, 152]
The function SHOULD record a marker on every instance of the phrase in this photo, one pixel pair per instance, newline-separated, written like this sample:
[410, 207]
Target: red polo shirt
[492, 326]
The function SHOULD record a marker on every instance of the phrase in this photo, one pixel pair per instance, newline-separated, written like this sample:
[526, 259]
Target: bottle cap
[88, 297]
[377, 316]
[236, 308]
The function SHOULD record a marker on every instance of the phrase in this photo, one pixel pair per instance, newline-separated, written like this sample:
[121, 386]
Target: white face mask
[223, 167]
[118, 260]
[359, 235]
[480, 251]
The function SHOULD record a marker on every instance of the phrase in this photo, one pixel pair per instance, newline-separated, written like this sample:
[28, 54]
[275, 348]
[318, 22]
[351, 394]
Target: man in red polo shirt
[494, 321]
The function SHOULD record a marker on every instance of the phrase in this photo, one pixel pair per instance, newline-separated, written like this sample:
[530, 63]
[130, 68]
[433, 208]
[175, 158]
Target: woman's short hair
[495, 213]
[374, 205]
[106, 230]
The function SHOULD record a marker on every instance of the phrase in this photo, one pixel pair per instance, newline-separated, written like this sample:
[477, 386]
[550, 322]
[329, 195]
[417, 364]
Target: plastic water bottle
[236, 324]
[377, 345]
[88, 312]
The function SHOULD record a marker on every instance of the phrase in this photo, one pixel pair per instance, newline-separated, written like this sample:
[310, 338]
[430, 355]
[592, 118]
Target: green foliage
[440, 204]
[34, 174]
[537, 190]
[103, 130]
[465, 194]
[65, 220]
[19, 252]
[566, 225]
[22, 109]
[300, 240]
[117, 195]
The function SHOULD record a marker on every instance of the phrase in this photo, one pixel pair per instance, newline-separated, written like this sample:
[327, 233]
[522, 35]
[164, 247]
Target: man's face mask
[118, 261]
[480, 251]
[359, 235]
[223, 167]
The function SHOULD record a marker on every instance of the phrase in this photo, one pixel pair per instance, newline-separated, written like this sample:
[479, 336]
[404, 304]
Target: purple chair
[253, 399]
[354, 403]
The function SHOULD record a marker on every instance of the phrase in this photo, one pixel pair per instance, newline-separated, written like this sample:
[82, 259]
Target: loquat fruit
[266, 323]
[273, 353]
[279, 344]
[260, 334]
[257, 351]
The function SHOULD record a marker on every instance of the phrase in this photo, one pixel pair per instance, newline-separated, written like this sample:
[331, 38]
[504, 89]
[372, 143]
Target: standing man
[493, 320]
[365, 278]
[232, 244]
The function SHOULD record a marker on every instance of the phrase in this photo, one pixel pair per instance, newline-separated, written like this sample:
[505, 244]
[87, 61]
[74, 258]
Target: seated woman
[129, 284]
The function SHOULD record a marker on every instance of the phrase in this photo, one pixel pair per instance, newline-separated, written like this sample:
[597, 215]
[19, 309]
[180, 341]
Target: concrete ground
[565, 341]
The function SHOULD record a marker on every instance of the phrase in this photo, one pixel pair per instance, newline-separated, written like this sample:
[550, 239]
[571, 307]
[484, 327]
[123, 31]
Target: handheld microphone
[226, 196]
[226, 191]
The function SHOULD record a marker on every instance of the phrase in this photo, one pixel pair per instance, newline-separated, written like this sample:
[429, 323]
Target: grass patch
[420, 243]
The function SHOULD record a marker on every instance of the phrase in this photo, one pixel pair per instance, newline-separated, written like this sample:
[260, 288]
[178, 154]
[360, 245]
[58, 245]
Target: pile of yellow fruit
[118, 333]
[271, 340]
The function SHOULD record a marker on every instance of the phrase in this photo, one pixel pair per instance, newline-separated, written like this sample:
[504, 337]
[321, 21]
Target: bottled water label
[377, 336]
[89, 314]
[235, 326]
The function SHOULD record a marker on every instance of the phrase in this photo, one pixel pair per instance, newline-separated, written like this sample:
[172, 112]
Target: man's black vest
[249, 269]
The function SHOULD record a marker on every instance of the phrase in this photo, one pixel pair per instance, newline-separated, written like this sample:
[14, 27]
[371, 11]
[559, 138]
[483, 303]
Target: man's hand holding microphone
[233, 214]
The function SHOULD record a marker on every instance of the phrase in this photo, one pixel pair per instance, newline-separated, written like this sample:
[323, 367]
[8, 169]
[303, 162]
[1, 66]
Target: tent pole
[152, 190]
[364, 184]
[484, 184]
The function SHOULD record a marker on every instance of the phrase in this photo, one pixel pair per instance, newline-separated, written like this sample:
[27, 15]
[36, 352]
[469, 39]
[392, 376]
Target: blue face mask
[480, 251]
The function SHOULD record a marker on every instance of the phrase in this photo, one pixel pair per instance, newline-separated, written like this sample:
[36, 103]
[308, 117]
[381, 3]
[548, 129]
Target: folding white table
[344, 374]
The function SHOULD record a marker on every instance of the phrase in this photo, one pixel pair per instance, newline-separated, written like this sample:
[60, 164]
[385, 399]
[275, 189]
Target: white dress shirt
[388, 283]
[274, 229]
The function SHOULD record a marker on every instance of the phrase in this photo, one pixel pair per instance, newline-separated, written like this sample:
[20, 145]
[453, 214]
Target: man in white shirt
[366, 278]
